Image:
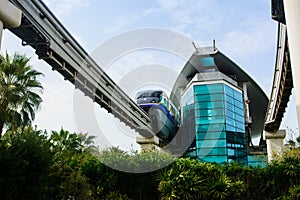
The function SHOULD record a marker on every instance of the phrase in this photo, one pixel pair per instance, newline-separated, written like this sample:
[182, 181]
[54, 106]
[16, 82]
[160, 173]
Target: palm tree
[64, 140]
[19, 92]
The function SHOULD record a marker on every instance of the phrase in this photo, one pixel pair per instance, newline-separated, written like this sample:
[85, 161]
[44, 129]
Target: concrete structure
[150, 143]
[292, 16]
[275, 143]
[10, 16]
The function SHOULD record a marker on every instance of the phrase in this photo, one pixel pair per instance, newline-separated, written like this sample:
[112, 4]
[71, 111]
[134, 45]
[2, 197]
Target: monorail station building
[222, 108]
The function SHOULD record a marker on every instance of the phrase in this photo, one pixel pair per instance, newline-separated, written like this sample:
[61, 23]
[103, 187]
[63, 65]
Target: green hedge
[36, 165]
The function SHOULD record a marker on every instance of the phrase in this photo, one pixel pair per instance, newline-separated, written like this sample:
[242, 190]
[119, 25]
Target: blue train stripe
[163, 108]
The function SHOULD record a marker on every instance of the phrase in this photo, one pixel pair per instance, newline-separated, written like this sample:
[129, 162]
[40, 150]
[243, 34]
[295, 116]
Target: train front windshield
[148, 97]
[149, 94]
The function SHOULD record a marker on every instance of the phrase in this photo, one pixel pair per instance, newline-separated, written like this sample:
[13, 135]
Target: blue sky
[243, 30]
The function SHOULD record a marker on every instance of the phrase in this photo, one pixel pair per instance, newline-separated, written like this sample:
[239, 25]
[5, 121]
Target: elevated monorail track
[282, 81]
[41, 30]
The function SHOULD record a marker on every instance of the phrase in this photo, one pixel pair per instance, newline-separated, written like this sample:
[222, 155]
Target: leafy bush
[25, 159]
[35, 166]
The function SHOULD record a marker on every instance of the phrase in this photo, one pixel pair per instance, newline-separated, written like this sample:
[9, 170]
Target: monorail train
[164, 115]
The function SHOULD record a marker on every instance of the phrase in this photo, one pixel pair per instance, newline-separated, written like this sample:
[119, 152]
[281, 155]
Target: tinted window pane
[209, 112]
[208, 61]
[230, 121]
[229, 113]
[211, 135]
[212, 151]
[210, 105]
[229, 99]
[208, 89]
[238, 104]
[209, 97]
[230, 128]
[237, 95]
[217, 159]
[239, 111]
[230, 107]
[239, 118]
[228, 90]
[210, 120]
[210, 143]
[203, 128]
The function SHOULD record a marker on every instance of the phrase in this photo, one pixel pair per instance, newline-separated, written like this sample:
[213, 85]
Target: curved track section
[41, 30]
[282, 83]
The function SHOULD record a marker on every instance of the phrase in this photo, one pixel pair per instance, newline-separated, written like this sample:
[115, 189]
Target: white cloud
[64, 7]
[121, 22]
[252, 40]
[170, 4]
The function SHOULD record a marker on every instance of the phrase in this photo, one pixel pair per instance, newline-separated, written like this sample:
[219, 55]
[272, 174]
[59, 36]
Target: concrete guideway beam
[292, 16]
[10, 16]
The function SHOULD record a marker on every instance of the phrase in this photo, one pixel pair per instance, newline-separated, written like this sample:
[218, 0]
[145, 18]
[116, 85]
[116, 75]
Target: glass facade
[215, 113]
[257, 160]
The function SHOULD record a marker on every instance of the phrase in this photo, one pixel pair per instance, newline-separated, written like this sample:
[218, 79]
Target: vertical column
[292, 17]
[150, 143]
[1, 30]
[275, 143]
[10, 16]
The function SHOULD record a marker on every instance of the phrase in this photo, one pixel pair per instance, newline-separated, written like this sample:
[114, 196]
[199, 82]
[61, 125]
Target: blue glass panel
[210, 143]
[209, 112]
[230, 152]
[239, 111]
[208, 89]
[212, 151]
[230, 107]
[210, 127]
[209, 97]
[210, 105]
[230, 128]
[229, 99]
[230, 114]
[238, 95]
[240, 130]
[230, 121]
[228, 90]
[240, 125]
[188, 97]
[217, 159]
[256, 160]
[210, 135]
[208, 61]
[238, 104]
[239, 118]
[210, 120]
[201, 89]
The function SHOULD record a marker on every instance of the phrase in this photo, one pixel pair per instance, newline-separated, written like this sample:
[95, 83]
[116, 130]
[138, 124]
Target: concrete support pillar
[292, 17]
[148, 143]
[275, 143]
[1, 30]
[10, 16]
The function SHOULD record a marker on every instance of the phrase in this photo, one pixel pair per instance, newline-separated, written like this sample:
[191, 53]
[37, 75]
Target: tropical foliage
[62, 165]
[19, 92]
